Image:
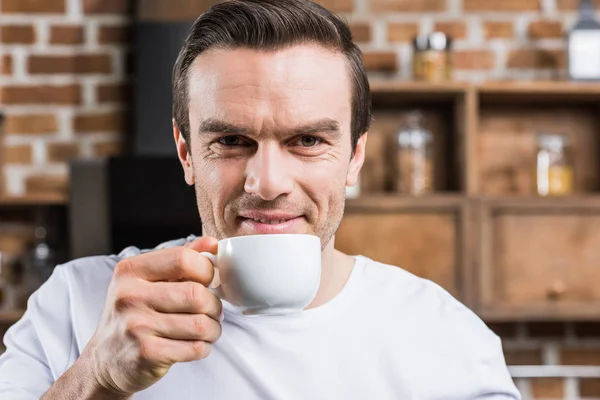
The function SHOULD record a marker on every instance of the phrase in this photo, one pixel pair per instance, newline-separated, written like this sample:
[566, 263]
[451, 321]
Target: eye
[231, 141]
[309, 141]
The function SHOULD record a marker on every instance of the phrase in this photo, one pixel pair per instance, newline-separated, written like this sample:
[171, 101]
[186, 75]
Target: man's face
[270, 147]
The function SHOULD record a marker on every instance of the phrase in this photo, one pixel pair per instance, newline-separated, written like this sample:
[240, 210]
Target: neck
[335, 271]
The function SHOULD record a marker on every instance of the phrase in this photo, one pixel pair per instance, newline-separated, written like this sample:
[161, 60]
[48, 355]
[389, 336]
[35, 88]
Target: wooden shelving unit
[10, 317]
[485, 235]
[33, 200]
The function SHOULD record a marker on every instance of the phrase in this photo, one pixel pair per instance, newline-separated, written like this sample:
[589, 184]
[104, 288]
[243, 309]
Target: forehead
[298, 79]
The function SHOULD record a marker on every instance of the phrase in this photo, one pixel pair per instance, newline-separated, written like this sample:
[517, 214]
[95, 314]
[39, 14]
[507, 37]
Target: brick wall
[62, 87]
[63, 77]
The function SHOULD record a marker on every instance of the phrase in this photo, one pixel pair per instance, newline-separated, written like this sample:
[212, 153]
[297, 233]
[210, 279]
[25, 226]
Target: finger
[182, 297]
[175, 263]
[204, 243]
[166, 351]
[186, 327]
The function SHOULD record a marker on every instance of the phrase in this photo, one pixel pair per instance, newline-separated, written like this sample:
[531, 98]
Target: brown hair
[271, 25]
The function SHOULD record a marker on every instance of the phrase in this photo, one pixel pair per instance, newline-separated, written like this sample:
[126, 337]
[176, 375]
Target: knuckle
[122, 268]
[182, 257]
[125, 298]
[200, 324]
[201, 349]
[135, 326]
[193, 293]
[145, 352]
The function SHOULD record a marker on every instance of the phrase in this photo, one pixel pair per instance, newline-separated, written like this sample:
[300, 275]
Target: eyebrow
[325, 125]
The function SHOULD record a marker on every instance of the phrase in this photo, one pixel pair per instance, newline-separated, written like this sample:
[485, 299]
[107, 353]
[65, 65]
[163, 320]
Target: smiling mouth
[270, 221]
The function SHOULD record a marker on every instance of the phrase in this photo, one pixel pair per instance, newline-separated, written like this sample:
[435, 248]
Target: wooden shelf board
[542, 87]
[539, 93]
[544, 204]
[396, 202]
[33, 200]
[581, 313]
[396, 86]
[10, 316]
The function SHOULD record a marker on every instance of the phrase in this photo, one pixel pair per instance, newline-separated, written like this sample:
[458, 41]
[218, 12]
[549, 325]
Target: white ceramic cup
[270, 274]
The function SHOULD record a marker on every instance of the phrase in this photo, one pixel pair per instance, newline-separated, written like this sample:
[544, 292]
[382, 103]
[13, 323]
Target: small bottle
[37, 264]
[414, 157]
[554, 171]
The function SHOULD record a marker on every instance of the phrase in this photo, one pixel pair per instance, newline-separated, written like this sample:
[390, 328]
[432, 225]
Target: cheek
[218, 181]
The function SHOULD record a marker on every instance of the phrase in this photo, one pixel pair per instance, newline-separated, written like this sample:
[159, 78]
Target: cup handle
[211, 257]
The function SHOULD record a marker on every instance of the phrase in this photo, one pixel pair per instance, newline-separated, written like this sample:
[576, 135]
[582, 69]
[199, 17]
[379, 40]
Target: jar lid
[433, 41]
[552, 141]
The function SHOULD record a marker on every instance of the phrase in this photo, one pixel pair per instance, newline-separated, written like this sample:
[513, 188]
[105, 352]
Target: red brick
[17, 34]
[536, 58]
[33, 6]
[46, 184]
[402, 32]
[70, 64]
[545, 29]
[107, 6]
[546, 329]
[361, 31]
[456, 29]
[572, 5]
[338, 6]
[589, 387]
[41, 94]
[105, 122]
[108, 149]
[18, 154]
[380, 61]
[498, 30]
[473, 59]
[587, 329]
[66, 34]
[114, 34]
[523, 356]
[504, 5]
[62, 152]
[112, 93]
[408, 5]
[580, 356]
[31, 123]
[7, 64]
[548, 388]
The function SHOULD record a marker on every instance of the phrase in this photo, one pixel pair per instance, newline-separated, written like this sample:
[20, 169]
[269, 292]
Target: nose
[267, 173]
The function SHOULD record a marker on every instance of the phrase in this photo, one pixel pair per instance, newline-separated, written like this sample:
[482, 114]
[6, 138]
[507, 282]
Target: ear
[184, 154]
[357, 161]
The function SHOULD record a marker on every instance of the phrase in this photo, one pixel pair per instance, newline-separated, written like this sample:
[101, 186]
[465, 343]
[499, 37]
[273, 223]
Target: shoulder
[428, 324]
[428, 306]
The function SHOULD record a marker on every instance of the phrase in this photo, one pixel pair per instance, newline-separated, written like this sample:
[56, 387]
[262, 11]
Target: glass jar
[554, 168]
[414, 157]
[432, 58]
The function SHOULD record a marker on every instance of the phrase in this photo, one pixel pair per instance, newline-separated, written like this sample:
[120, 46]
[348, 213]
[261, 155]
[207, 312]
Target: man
[271, 113]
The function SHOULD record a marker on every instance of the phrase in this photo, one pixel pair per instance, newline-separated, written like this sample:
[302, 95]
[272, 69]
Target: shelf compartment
[506, 145]
[538, 258]
[443, 107]
[425, 236]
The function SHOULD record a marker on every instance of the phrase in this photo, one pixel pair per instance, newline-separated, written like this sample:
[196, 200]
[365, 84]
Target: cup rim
[246, 237]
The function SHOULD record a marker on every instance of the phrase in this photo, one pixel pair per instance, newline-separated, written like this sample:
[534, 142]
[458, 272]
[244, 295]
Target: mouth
[270, 223]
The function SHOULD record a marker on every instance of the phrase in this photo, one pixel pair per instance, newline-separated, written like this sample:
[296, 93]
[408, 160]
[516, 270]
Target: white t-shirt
[387, 335]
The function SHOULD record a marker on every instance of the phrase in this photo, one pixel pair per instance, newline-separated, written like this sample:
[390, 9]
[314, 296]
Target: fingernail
[222, 316]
